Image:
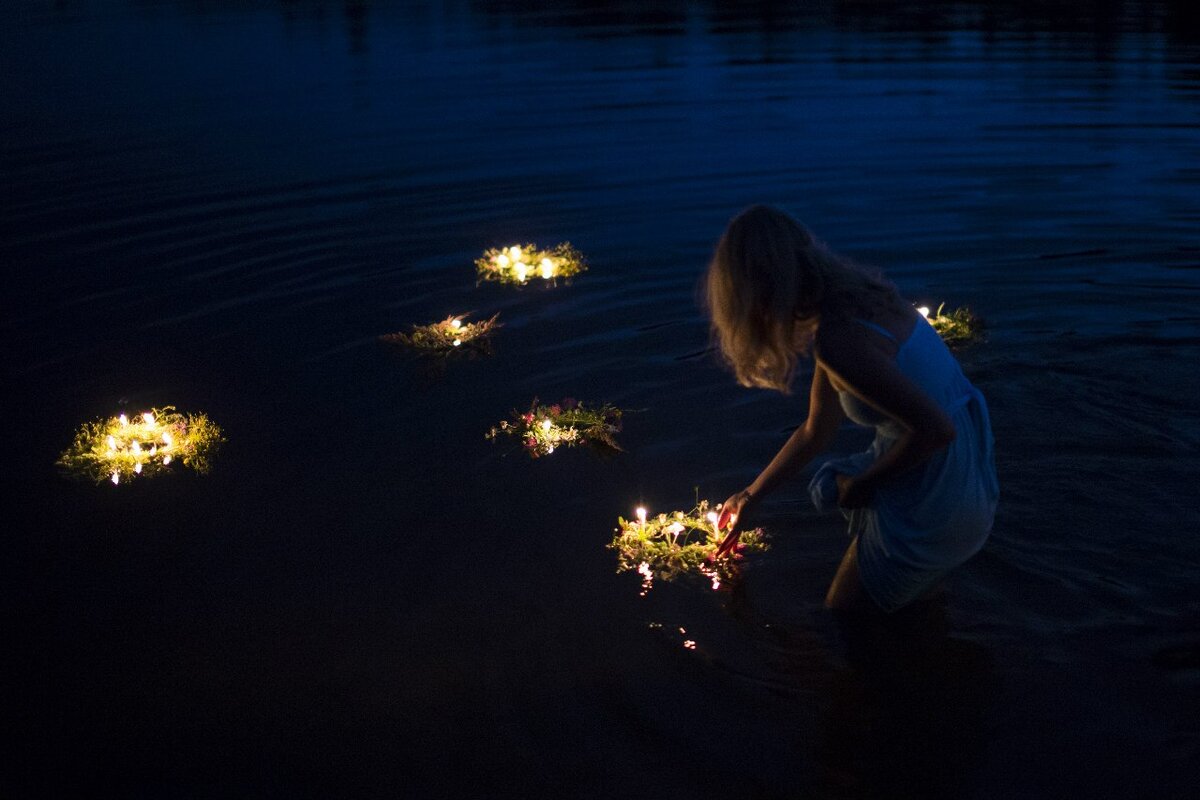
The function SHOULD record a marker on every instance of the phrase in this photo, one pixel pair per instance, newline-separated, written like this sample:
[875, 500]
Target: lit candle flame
[924, 310]
[138, 468]
[641, 514]
[167, 438]
[148, 418]
[116, 478]
[547, 424]
[520, 268]
[515, 252]
[136, 446]
[112, 442]
[502, 260]
[456, 323]
[547, 268]
[457, 342]
[166, 460]
[124, 420]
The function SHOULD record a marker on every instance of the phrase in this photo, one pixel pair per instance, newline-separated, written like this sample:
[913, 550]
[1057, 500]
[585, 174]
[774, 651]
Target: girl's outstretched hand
[733, 511]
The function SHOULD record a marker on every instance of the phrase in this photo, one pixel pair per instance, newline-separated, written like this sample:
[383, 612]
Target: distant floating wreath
[451, 335]
[544, 428]
[668, 546]
[120, 448]
[521, 263]
[958, 328]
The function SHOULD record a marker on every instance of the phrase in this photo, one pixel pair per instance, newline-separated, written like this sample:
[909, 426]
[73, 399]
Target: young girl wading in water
[921, 500]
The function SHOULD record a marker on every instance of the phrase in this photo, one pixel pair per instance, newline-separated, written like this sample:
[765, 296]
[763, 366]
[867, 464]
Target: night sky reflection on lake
[222, 205]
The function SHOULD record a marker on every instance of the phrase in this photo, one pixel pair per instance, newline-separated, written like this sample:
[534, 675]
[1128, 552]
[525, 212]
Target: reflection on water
[224, 205]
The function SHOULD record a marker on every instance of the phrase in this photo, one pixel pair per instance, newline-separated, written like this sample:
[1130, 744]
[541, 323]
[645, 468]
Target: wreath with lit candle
[958, 328]
[520, 264]
[148, 444]
[682, 543]
[451, 335]
[545, 428]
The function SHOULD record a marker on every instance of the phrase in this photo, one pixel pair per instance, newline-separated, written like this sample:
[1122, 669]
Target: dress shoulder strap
[878, 329]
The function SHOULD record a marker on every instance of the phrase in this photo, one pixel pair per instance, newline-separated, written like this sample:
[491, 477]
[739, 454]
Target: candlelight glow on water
[678, 544]
[518, 264]
[120, 448]
[441, 338]
[958, 328]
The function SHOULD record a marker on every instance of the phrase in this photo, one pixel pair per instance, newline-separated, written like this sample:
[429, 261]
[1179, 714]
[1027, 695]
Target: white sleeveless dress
[934, 517]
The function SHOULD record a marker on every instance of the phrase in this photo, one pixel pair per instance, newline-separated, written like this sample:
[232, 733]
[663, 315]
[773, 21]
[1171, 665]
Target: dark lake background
[219, 205]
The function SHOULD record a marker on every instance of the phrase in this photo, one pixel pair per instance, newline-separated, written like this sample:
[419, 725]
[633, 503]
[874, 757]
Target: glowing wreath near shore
[958, 328]
[122, 447]
[451, 335]
[544, 428]
[520, 264]
[669, 545]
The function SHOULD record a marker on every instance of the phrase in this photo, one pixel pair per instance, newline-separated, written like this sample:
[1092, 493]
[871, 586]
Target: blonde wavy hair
[769, 285]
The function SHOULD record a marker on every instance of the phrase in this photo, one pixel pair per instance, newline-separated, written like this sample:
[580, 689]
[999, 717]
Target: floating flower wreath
[669, 545]
[544, 428]
[148, 444]
[958, 328]
[521, 263]
[451, 335]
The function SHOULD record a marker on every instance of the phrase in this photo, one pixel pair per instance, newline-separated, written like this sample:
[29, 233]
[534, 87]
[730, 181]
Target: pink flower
[528, 418]
[555, 410]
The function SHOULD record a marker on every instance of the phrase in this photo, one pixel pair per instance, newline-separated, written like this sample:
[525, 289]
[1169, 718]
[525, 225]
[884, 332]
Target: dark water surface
[220, 205]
